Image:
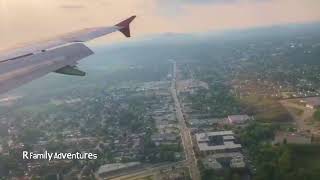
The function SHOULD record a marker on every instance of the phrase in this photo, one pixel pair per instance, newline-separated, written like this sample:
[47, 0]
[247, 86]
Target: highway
[191, 159]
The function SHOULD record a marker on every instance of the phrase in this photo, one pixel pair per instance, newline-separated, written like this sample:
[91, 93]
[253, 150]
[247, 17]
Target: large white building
[238, 119]
[110, 169]
[217, 142]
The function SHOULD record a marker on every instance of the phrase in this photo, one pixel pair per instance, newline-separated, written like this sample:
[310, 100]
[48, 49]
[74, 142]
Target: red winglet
[125, 26]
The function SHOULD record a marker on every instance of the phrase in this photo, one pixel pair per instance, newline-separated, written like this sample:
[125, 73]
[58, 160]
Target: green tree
[236, 176]
[316, 115]
[31, 135]
[285, 162]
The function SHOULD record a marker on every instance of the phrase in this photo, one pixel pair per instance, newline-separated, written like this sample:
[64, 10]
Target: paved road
[190, 161]
[185, 131]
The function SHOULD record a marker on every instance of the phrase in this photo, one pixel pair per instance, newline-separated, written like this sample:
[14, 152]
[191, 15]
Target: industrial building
[217, 142]
[219, 161]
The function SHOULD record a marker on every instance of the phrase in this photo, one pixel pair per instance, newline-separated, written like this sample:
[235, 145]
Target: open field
[303, 116]
[266, 109]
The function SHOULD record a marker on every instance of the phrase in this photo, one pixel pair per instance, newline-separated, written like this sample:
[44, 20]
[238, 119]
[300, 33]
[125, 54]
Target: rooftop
[205, 136]
[116, 166]
[238, 118]
[226, 146]
[220, 140]
[236, 160]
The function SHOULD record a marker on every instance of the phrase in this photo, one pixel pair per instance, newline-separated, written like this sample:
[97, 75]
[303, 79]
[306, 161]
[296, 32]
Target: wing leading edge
[60, 55]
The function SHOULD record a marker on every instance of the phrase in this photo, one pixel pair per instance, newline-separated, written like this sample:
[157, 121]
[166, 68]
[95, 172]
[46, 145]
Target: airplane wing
[60, 55]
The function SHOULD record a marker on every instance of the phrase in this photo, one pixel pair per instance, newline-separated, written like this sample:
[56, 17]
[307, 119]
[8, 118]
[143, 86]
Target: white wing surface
[21, 65]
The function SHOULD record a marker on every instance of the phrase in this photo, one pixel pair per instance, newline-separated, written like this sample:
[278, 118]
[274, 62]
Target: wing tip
[126, 22]
[125, 26]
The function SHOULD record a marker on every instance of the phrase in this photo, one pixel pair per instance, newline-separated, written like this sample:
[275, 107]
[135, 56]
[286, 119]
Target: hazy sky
[26, 20]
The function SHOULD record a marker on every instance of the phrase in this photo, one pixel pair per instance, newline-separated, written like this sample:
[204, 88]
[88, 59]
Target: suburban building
[110, 169]
[217, 142]
[204, 122]
[238, 119]
[165, 138]
[219, 161]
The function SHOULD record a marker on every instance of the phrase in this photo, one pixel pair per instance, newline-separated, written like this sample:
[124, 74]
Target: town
[241, 110]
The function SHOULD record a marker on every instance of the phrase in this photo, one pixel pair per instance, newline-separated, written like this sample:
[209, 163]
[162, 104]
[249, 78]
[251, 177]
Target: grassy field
[266, 109]
[296, 111]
